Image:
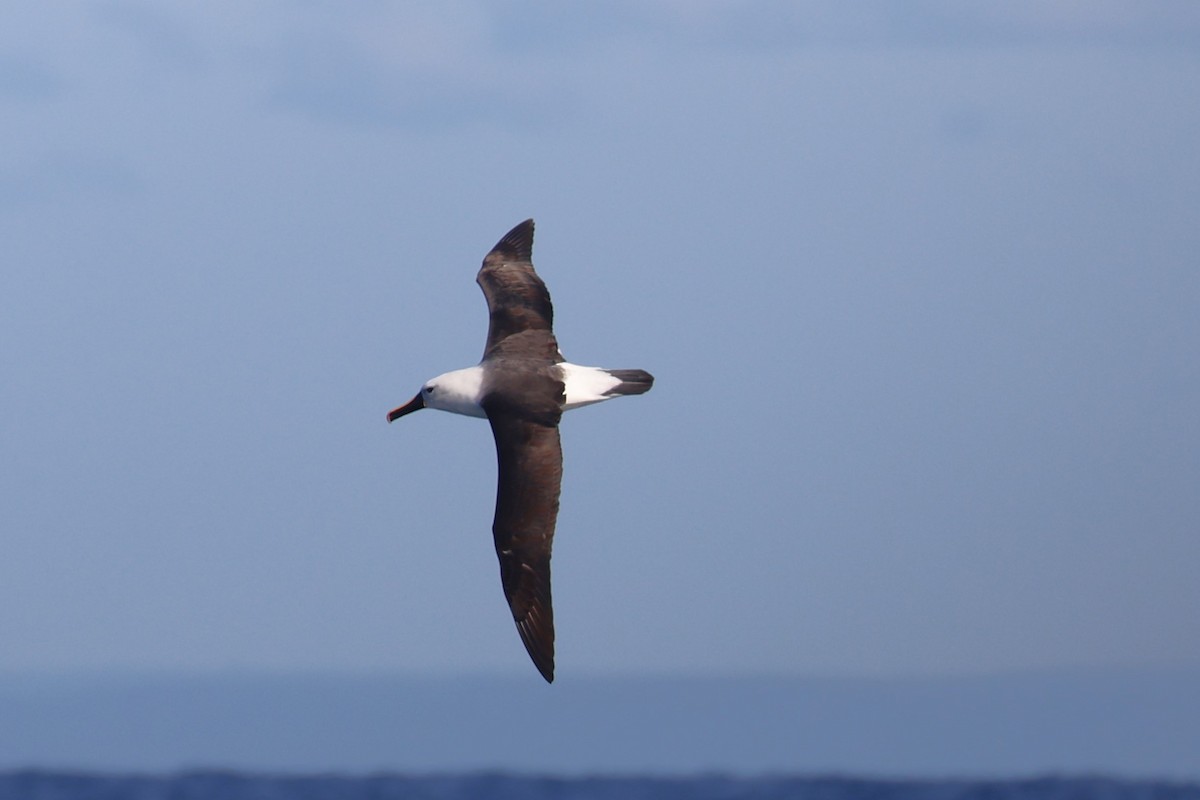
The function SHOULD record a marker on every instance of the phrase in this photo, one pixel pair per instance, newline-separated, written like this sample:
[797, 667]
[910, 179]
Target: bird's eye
[429, 389]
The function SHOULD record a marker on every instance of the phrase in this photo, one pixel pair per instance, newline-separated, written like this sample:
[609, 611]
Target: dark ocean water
[216, 785]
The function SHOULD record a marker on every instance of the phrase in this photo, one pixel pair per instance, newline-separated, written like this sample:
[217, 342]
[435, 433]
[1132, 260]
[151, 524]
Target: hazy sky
[918, 282]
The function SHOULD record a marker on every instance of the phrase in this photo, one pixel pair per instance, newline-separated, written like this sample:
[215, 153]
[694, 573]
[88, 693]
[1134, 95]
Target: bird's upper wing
[530, 461]
[517, 299]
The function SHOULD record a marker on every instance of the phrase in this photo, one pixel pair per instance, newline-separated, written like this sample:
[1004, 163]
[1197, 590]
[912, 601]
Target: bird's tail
[632, 381]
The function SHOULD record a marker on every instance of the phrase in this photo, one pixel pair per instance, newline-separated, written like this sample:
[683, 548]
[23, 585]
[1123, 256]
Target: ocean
[218, 785]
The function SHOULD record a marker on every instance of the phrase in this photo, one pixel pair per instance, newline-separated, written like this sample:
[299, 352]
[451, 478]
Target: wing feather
[529, 454]
[517, 299]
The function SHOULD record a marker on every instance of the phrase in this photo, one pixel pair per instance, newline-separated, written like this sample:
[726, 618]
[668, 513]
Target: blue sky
[918, 284]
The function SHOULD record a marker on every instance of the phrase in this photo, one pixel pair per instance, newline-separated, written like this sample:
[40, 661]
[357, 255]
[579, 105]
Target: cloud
[468, 62]
[1119, 22]
[27, 81]
[160, 37]
[400, 65]
[79, 175]
[343, 83]
[752, 24]
[354, 93]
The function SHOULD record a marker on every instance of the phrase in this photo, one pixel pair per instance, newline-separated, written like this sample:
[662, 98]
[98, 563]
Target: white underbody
[460, 391]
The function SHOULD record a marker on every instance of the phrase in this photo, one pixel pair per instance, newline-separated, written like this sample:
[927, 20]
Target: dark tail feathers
[633, 381]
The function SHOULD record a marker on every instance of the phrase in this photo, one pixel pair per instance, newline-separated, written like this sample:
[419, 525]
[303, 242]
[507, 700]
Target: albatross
[522, 387]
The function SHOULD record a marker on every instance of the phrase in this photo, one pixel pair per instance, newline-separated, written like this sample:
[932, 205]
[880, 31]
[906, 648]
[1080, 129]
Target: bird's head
[457, 392]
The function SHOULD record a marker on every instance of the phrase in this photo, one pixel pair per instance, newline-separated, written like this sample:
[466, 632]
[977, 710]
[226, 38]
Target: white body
[460, 391]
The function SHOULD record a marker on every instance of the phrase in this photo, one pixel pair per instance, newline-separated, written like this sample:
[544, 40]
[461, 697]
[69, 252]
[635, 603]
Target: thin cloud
[418, 69]
[159, 36]
[781, 24]
[339, 83]
[27, 81]
[60, 175]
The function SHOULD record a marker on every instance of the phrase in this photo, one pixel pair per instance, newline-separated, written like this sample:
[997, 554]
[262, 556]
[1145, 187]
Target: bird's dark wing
[530, 460]
[523, 398]
[516, 297]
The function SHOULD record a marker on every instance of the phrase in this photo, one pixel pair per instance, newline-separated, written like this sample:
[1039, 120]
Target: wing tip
[517, 244]
[537, 634]
[541, 653]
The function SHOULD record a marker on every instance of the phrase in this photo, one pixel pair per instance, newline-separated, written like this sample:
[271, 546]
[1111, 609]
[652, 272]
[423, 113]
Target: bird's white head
[457, 392]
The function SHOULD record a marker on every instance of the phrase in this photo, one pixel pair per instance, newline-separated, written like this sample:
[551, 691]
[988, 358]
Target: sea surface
[218, 785]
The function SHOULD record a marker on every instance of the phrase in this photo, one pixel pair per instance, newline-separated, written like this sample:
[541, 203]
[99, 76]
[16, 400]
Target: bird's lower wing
[530, 466]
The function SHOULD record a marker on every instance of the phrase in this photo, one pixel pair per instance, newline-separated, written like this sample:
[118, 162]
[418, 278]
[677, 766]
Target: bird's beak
[416, 404]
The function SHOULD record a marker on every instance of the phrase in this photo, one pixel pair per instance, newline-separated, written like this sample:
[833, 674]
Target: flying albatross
[522, 386]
